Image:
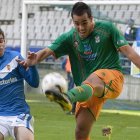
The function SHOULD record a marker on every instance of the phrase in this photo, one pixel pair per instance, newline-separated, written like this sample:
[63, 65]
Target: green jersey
[97, 51]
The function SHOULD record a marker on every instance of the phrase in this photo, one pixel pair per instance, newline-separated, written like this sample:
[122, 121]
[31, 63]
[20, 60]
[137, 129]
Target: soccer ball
[54, 81]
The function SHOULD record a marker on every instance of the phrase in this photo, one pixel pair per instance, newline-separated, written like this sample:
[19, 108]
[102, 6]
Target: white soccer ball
[54, 81]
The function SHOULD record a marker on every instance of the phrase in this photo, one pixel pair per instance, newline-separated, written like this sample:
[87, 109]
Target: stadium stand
[45, 23]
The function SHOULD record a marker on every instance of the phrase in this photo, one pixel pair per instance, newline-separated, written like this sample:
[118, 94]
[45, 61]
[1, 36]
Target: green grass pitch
[51, 123]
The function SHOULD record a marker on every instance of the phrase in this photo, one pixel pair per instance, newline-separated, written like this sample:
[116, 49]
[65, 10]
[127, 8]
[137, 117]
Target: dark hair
[80, 8]
[2, 33]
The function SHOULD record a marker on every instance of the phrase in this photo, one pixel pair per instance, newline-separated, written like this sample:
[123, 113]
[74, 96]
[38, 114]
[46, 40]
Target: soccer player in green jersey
[93, 49]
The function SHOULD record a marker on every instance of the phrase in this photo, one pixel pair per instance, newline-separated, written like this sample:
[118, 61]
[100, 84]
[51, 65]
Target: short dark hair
[2, 33]
[80, 8]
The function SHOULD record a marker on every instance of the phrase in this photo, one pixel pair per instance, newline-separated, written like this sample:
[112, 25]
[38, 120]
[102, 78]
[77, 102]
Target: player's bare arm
[34, 58]
[131, 54]
[42, 54]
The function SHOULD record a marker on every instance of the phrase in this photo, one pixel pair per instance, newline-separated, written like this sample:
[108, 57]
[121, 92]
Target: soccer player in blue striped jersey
[15, 118]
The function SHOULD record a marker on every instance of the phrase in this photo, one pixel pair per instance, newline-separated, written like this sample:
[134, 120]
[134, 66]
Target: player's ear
[91, 18]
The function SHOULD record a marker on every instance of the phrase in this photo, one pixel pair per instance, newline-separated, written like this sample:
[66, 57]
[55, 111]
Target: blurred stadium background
[46, 22]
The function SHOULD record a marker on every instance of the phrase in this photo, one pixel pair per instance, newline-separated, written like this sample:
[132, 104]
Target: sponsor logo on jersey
[89, 56]
[87, 49]
[8, 81]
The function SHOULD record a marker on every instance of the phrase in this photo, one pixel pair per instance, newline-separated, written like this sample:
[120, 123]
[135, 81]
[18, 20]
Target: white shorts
[8, 123]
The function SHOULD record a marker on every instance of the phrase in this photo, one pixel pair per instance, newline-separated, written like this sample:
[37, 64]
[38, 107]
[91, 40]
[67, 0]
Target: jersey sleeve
[117, 37]
[60, 46]
[31, 75]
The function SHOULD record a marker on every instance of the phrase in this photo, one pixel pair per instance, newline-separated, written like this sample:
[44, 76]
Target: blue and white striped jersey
[12, 75]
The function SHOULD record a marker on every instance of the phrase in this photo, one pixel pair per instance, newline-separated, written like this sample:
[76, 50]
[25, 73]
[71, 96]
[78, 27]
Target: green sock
[80, 93]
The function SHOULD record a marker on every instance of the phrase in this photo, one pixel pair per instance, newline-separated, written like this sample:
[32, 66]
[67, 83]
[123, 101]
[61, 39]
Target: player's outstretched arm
[41, 55]
[34, 58]
[131, 54]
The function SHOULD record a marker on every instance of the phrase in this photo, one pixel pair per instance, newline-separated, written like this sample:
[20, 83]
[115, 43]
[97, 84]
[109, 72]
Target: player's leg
[4, 130]
[102, 83]
[113, 80]
[22, 127]
[1, 136]
[23, 133]
[79, 93]
[86, 114]
[84, 123]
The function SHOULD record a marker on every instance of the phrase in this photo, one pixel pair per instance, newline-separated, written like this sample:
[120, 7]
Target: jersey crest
[97, 39]
[8, 68]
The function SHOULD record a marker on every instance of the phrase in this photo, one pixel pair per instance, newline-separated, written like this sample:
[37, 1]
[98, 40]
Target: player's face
[83, 24]
[2, 45]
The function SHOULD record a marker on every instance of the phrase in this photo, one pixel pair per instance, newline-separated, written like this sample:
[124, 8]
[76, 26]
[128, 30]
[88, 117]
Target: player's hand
[24, 63]
[32, 56]
[30, 61]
